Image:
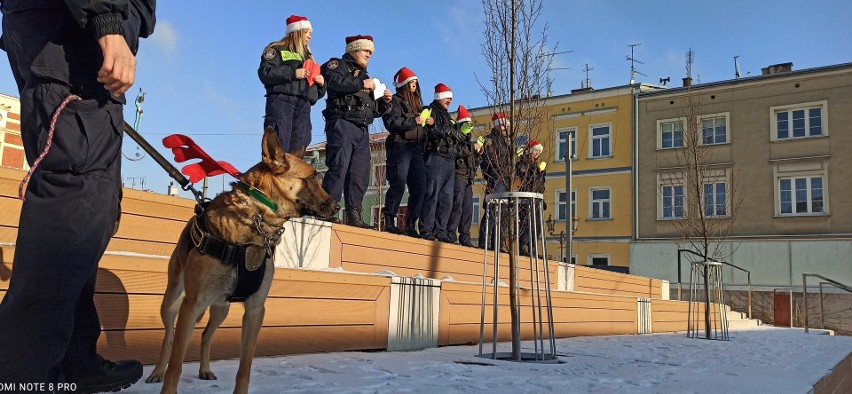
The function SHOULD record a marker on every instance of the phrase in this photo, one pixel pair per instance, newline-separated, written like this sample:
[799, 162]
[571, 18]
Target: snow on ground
[758, 360]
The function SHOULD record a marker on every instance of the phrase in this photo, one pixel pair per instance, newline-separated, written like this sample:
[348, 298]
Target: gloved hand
[519, 151]
[465, 128]
[480, 140]
[542, 166]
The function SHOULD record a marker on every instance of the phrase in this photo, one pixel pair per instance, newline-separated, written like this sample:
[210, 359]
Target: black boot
[411, 228]
[390, 224]
[112, 376]
[352, 217]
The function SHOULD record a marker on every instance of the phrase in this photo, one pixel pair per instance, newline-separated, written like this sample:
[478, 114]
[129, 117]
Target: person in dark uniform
[440, 167]
[531, 172]
[74, 58]
[497, 171]
[406, 164]
[350, 109]
[467, 161]
[291, 90]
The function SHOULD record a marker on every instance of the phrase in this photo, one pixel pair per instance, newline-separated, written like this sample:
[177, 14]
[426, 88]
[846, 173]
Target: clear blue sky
[199, 69]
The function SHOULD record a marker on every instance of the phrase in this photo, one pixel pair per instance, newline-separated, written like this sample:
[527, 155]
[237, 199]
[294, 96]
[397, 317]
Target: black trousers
[440, 182]
[49, 326]
[406, 166]
[460, 219]
[290, 116]
[347, 156]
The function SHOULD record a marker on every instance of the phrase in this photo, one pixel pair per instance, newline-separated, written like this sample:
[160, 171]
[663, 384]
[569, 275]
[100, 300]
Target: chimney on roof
[777, 69]
[687, 81]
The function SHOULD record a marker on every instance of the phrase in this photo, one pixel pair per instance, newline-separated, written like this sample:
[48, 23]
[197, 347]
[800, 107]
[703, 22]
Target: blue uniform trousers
[290, 116]
[405, 166]
[49, 326]
[462, 215]
[347, 156]
[440, 175]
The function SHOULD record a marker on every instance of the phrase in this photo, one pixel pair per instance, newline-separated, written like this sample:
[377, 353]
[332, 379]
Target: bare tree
[702, 193]
[518, 59]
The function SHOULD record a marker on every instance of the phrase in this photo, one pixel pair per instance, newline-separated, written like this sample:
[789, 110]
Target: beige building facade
[782, 142]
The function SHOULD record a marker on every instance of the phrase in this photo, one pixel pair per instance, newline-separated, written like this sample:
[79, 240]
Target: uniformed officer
[440, 166]
[406, 164]
[350, 109]
[531, 171]
[74, 59]
[466, 163]
[497, 171]
[291, 90]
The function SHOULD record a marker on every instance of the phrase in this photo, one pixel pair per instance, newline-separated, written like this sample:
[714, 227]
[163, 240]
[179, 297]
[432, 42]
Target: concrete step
[734, 324]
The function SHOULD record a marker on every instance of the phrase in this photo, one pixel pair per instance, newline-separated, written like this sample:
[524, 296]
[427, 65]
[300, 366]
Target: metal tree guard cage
[523, 212]
[715, 316]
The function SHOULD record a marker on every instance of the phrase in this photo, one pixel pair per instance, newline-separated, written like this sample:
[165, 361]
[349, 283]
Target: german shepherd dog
[197, 281]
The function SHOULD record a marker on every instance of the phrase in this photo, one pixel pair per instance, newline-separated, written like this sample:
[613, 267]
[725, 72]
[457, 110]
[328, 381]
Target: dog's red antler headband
[185, 149]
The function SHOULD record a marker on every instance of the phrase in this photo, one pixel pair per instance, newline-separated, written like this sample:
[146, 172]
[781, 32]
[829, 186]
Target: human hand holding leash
[118, 71]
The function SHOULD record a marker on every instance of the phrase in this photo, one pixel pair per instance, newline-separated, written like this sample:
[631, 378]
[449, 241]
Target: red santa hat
[357, 43]
[443, 92]
[296, 23]
[403, 77]
[499, 119]
[462, 115]
[534, 146]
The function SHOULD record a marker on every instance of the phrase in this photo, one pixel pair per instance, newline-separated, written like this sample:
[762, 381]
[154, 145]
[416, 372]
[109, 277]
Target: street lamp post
[551, 224]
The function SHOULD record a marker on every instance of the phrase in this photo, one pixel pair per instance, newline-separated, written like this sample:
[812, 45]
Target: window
[671, 134]
[672, 201]
[799, 121]
[560, 204]
[715, 200]
[801, 195]
[600, 203]
[600, 141]
[561, 147]
[714, 130]
[475, 210]
[800, 187]
[598, 259]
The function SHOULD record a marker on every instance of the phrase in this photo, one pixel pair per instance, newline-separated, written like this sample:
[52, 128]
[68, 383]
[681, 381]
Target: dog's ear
[273, 154]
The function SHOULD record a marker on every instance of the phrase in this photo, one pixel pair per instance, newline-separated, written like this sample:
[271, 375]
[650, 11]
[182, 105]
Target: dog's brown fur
[198, 281]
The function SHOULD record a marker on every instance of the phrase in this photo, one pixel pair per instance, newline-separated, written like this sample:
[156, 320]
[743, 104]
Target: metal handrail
[836, 284]
[748, 274]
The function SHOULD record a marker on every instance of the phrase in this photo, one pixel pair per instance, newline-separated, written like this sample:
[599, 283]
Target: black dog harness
[249, 271]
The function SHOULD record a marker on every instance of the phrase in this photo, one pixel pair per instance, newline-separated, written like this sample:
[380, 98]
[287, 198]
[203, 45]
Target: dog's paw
[155, 377]
[207, 375]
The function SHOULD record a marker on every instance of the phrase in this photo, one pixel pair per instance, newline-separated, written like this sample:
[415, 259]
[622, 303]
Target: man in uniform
[74, 59]
[350, 109]
[467, 161]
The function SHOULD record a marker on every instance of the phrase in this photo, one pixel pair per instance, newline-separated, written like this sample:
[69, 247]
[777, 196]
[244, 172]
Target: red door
[782, 310]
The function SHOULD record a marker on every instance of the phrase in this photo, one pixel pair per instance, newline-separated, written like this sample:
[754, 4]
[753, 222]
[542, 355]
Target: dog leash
[49, 143]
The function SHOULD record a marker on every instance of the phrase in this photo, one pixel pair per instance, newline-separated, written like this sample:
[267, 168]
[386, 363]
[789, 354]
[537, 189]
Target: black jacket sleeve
[394, 118]
[337, 80]
[101, 17]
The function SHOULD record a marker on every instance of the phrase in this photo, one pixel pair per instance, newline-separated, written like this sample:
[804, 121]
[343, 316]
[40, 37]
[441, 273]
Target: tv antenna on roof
[587, 81]
[633, 62]
[736, 67]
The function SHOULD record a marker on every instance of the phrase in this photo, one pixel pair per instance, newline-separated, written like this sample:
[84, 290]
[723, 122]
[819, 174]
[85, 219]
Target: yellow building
[601, 125]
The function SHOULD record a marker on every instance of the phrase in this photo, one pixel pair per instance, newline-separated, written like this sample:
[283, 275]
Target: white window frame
[593, 139]
[773, 120]
[797, 169]
[714, 178]
[672, 179]
[476, 208]
[4, 116]
[592, 202]
[591, 256]
[560, 204]
[660, 124]
[674, 215]
[560, 141]
[727, 120]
